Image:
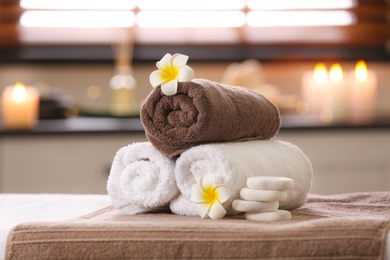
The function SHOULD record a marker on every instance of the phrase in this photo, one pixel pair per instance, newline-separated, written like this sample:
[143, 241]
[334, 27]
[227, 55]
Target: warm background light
[178, 13]
[362, 93]
[20, 106]
[191, 5]
[77, 19]
[192, 19]
[336, 73]
[78, 4]
[94, 92]
[361, 70]
[301, 4]
[19, 92]
[320, 73]
[299, 18]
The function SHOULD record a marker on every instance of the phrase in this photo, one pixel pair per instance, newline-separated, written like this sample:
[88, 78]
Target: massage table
[53, 226]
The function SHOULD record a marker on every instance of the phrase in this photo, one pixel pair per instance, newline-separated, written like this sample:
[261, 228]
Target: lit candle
[315, 89]
[362, 92]
[338, 89]
[20, 107]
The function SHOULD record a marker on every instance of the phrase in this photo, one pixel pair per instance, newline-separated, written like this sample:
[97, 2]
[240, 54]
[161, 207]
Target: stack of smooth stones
[260, 200]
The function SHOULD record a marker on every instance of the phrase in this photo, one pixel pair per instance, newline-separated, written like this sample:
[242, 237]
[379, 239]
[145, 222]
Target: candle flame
[361, 71]
[320, 73]
[336, 73]
[19, 92]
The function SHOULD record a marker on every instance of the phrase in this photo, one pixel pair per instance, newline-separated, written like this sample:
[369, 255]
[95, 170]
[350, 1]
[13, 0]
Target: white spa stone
[254, 206]
[270, 183]
[277, 215]
[262, 195]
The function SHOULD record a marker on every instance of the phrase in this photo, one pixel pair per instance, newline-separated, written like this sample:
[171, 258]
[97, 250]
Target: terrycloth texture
[233, 163]
[21, 208]
[350, 226]
[141, 179]
[203, 111]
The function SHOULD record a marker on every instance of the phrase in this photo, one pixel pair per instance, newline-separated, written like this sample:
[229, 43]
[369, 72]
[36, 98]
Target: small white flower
[171, 70]
[207, 197]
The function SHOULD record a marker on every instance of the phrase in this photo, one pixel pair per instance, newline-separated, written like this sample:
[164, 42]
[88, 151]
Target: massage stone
[270, 183]
[262, 195]
[254, 206]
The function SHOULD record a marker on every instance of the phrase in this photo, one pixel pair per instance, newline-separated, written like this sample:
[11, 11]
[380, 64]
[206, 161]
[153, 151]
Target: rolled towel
[233, 163]
[202, 112]
[141, 179]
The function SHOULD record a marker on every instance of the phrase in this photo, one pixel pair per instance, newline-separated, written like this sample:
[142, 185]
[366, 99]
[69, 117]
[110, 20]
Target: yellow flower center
[169, 73]
[210, 195]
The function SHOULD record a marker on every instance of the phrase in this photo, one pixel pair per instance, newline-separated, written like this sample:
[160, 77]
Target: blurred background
[325, 64]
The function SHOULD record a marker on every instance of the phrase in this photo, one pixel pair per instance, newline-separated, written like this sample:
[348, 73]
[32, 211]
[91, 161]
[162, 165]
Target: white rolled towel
[234, 162]
[141, 179]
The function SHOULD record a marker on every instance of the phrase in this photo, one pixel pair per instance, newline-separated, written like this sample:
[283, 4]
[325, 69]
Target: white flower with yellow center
[207, 197]
[172, 69]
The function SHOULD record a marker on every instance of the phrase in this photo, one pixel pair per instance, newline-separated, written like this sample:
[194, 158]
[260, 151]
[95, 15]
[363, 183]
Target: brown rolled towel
[203, 111]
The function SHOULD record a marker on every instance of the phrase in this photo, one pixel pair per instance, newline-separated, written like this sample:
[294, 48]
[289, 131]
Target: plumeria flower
[172, 69]
[207, 197]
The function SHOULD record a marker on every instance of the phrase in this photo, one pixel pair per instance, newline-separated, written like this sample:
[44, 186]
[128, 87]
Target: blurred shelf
[95, 125]
[82, 125]
[197, 52]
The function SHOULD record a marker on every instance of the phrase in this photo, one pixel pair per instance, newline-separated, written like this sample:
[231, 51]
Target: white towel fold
[141, 179]
[234, 162]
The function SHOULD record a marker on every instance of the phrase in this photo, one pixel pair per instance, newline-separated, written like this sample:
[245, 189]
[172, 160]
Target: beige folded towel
[348, 226]
[203, 111]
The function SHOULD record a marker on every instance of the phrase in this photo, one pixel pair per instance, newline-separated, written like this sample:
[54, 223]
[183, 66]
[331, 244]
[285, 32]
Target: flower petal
[197, 194]
[186, 73]
[201, 209]
[169, 88]
[217, 211]
[164, 62]
[179, 60]
[207, 180]
[156, 78]
[224, 193]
